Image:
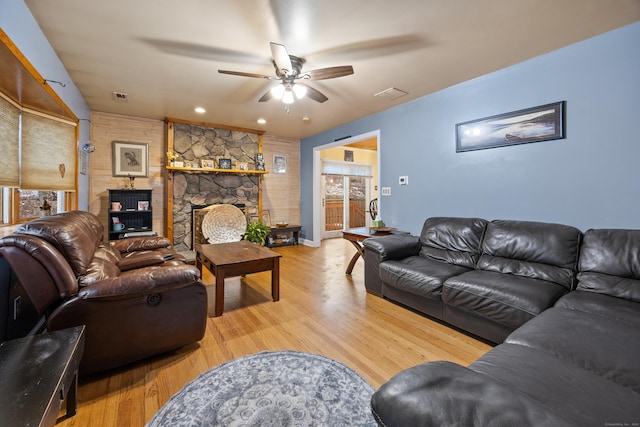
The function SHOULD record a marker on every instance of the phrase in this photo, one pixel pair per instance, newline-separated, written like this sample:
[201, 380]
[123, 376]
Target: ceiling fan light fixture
[278, 91]
[287, 96]
[299, 90]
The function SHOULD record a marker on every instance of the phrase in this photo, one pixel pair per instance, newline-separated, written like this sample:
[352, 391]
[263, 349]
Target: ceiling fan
[289, 72]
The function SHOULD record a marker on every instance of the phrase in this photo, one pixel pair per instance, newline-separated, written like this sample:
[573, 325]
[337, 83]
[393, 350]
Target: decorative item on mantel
[131, 181]
[260, 162]
[172, 157]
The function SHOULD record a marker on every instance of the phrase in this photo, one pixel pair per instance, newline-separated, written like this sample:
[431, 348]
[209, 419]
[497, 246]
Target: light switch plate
[386, 191]
[403, 180]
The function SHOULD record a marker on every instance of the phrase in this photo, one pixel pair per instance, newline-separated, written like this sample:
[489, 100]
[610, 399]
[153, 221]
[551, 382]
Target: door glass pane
[357, 201]
[334, 202]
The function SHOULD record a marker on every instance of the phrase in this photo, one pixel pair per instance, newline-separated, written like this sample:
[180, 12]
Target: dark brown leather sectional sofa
[563, 305]
[137, 297]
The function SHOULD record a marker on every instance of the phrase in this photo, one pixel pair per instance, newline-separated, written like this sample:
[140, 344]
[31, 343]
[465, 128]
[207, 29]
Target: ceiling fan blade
[315, 94]
[266, 97]
[329, 73]
[281, 58]
[242, 74]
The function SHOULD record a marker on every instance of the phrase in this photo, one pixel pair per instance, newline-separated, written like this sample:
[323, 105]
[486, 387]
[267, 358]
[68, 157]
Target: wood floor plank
[321, 310]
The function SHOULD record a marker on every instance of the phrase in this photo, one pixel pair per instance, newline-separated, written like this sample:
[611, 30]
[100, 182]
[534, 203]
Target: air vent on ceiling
[120, 97]
[391, 93]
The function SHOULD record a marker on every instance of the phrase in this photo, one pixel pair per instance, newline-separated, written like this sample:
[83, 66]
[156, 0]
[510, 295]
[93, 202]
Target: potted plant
[257, 232]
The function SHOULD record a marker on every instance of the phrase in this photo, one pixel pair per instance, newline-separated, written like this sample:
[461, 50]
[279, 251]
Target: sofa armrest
[395, 246]
[446, 394]
[378, 249]
[140, 244]
[140, 259]
[142, 281]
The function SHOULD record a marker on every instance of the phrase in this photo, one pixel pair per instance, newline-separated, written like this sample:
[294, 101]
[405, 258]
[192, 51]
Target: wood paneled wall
[281, 192]
[106, 128]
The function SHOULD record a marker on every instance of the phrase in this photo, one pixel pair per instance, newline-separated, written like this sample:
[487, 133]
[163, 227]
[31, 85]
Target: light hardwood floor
[321, 310]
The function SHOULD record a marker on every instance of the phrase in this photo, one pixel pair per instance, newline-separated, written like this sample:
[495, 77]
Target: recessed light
[262, 121]
[200, 110]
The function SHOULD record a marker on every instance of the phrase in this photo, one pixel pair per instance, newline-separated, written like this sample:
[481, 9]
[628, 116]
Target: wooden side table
[292, 229]
[39, 373]
[357, 235]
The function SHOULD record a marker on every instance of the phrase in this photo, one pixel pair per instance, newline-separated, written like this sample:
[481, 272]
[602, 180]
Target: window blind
[330, 167]
[9, 144]
[48, 153]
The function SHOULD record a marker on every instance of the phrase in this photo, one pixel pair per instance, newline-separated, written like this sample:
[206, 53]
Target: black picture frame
[225, 163]
[536, 124]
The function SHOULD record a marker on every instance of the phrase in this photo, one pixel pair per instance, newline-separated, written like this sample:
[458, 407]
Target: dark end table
[39, 372]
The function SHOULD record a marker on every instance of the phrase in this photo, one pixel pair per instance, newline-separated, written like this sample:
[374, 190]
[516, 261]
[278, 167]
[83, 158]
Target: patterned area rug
[282, 388]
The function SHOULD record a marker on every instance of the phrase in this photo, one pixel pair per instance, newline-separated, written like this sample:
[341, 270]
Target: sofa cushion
[504, 298]
[544, 251]
[603, 346]
[419, 275]
[574, 393]
[618, 309]
[609, 263]
[452, 240]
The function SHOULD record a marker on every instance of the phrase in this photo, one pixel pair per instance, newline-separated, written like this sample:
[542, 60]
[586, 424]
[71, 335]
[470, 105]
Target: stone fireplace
[197, 188]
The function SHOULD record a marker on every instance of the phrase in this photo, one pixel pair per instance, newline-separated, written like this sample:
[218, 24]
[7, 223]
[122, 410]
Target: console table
[357, 235]
[39, 372]
[294, 230]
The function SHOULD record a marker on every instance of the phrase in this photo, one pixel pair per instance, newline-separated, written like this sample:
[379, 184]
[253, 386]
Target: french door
[345, 200]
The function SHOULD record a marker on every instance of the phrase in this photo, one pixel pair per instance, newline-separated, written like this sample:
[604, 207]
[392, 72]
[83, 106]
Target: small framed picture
[266, 218]
[348, 155]
[206, 163]
[259, 161]
[225, 163]
[143, 205]
[279, 163]
[130, 159]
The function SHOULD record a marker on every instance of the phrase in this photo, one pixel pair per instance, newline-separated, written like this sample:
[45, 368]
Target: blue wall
[18, 23]
[590, 179]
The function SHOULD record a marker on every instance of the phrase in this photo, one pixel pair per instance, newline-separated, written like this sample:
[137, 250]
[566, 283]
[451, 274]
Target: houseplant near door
[257, 233]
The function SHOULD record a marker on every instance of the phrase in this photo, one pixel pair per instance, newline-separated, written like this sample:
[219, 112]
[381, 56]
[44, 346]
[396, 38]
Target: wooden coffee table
[237, 259]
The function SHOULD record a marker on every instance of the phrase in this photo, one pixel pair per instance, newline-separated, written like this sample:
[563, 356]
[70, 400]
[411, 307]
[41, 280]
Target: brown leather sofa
[137, 297]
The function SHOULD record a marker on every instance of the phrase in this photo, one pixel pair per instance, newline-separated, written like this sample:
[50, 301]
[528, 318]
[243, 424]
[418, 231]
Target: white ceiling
[164, 54]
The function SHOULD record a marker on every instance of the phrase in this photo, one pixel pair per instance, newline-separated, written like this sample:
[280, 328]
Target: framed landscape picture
[130, 159]
[542, 123]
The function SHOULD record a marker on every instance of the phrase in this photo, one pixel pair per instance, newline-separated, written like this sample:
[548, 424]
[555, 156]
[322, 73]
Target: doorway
[344, 189]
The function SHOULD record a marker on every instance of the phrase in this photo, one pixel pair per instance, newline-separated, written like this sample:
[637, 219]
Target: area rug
[282, 388]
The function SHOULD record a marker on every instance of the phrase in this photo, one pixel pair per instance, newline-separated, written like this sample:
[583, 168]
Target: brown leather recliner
[137, 297]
